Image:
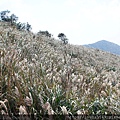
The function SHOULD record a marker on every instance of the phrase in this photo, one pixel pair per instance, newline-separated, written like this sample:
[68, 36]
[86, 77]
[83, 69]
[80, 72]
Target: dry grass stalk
[2, 104]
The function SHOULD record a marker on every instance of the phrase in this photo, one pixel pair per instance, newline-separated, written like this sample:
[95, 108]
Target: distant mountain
[106, 46]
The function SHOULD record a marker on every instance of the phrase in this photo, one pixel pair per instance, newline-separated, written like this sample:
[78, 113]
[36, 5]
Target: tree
[4, 16]
[21, 26]
[28, 27]
[62, 36]
[13, 18]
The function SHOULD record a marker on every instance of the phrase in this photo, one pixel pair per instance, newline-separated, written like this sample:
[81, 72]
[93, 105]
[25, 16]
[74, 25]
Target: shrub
[46, 33]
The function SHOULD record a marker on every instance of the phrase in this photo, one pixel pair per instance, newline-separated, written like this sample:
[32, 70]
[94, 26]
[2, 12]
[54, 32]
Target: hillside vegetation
[41, 76]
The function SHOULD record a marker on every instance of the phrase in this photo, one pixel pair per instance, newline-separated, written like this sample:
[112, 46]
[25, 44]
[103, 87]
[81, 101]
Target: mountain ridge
[106, 46]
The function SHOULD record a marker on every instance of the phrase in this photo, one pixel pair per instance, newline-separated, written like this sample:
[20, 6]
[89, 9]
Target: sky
[82, 21]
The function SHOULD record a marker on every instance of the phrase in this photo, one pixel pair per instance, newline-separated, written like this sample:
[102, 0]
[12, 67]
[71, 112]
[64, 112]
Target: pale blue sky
[82, 21]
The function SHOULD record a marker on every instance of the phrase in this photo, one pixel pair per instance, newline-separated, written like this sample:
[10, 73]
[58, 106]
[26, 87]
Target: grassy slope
[43, 75]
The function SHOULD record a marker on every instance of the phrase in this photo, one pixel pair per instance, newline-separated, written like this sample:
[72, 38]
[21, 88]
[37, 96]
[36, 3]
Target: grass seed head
[64, 110]
[103, 93]
[22, 110]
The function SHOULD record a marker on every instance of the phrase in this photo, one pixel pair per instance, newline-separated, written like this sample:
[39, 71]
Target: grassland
[41, 76]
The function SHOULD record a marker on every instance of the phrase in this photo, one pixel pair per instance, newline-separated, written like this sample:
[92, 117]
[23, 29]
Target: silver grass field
[41, 77]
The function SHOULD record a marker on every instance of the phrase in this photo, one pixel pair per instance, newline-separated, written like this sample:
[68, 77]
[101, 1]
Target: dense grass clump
[41, 77]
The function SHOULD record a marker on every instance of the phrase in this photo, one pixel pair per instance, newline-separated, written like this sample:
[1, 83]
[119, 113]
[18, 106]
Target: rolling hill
[106, 46]
[43, 77]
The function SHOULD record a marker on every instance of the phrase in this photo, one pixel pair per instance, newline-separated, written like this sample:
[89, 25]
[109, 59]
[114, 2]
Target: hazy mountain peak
[106, 46]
